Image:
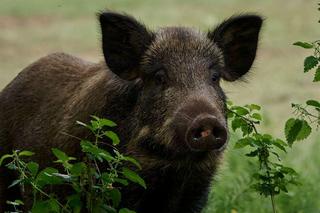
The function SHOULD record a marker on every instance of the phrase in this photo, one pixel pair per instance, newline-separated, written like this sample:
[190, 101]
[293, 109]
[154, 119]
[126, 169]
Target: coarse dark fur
[152, 84]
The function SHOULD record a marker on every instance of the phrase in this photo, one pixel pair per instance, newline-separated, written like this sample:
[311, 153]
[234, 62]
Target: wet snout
[206, 132]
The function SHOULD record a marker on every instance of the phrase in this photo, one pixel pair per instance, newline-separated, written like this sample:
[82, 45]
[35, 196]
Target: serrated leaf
[256, 116]
[292, 128]
[310, 62]
[243, 142]
[235, 124]
[296, 129]
[78, 168]
[113, 136]
[46, 177]
[33, 167]
[134, 177]
[26, 153]
[313, 103]
[74, 201]
[305, 131]
[122, 181]
[280, 144]
[305, 45]
[115, 195]
[317, 75]
[60, 154]
[88, 147]
[240, 110]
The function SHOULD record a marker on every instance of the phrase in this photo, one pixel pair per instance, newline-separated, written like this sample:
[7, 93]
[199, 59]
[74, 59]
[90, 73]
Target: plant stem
[273, 203]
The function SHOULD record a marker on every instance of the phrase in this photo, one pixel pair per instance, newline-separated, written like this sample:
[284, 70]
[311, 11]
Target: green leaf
[113, 136]
[305, 45]
[313, 103]
[305, 131]
[317, 75]
[50, 205]
[74, 201]
[47, 177]
[292, 128]
[256, 116]
[134, 177]
[253, 107]
[5, 157]
[62, 158]
[240, 110]
[280, 144]
[88, 147]
[296, 129]
[122, 181]
[310, 62]
[115, 195]
[106, 122]
[78, 168]
[133, 161]
[237, 123]
[243, 142]
[33, 167]
[125, 210]
[26, 153]
[60, 154]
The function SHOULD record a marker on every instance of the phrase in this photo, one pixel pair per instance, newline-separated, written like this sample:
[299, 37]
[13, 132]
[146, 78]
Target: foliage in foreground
[93, 189]
[271, 176]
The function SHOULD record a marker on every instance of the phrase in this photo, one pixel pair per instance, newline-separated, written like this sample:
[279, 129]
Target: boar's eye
[160, 76]
[215, 77]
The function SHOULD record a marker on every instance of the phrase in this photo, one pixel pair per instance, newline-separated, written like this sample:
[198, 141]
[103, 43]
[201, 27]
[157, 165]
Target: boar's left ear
[124, 41]
[238, 39]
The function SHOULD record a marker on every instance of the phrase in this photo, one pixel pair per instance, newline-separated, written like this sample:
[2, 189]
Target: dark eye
[215, 77]
[160, 76]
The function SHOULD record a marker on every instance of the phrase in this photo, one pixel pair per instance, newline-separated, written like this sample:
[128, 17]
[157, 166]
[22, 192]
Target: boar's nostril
[206, 133]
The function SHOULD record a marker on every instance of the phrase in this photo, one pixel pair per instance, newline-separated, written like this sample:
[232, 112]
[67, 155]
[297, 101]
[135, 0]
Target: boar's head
[180, 108]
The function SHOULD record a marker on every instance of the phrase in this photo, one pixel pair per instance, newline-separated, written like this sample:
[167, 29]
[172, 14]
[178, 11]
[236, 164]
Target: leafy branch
[93, 189]
[271, 176]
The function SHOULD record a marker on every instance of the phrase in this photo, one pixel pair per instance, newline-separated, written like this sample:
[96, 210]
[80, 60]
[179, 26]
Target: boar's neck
[170, 191]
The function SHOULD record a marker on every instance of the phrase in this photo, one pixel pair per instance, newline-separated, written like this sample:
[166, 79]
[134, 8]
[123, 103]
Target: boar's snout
[200, 126]
[206, 133]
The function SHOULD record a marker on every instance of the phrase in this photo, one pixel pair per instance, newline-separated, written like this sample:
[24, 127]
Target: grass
[31, 29]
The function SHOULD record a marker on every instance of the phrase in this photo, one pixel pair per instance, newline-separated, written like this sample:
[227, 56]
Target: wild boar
[162, 89]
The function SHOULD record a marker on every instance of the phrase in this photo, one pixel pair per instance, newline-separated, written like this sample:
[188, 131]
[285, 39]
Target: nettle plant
[94, 189]
[308, 114]
[271, 176]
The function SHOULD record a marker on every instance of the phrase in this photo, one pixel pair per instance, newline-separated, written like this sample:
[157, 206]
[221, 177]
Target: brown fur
[154, 86]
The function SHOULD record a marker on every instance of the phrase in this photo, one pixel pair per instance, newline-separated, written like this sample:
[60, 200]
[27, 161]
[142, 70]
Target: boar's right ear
[124, 41]
[237, 37]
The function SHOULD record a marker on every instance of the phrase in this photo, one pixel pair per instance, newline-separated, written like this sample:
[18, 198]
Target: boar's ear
[124, 41]
[238, 39]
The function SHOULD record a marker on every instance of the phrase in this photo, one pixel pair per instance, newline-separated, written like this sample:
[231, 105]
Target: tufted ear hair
[124, 41]
[237, 37]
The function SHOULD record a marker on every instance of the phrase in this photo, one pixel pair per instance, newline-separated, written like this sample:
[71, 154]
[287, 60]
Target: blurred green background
[31, 29]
